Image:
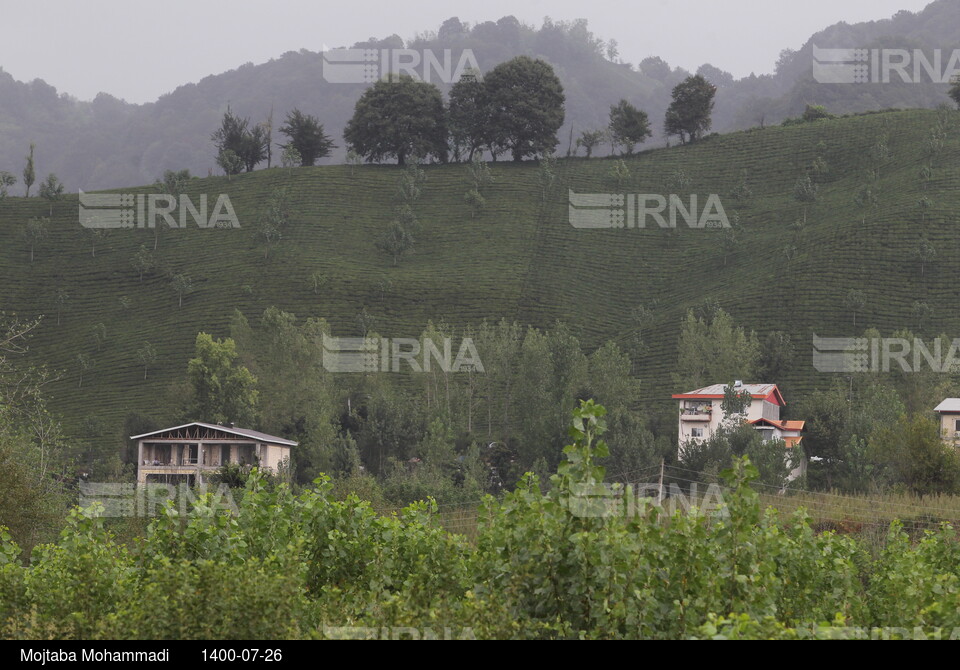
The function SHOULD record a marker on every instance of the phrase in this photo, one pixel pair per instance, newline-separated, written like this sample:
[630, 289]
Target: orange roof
[782, 425]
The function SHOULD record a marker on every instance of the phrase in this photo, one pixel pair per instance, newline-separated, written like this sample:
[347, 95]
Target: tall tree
[146, 355]
[51, 190]
[143, 261]
[223, 390]
[229, 162]
[248, 144]
[689, 114]
[526, 106]
[714, 350]
[306, 135]
[955, 90]
[96, 235]
[29, 173]
[469, 117]
[6, 180]
[173, 182]
[182, 284]
[914, 456]
[253, 147]
[398, 119]
[34, 232]
[84, 363]
[590, 139]
[807, 192]
[776, 355]
[629, 126]
[99, 334]
[924, 253]
[396, 241]
[268, 137]
[855, 301]
[61, 298]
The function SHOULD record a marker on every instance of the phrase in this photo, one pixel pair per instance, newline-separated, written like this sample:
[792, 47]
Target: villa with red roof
[701, 415]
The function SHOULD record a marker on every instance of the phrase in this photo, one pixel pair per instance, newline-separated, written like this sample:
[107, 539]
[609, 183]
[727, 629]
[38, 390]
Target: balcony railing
[696, 413]
[186, 462]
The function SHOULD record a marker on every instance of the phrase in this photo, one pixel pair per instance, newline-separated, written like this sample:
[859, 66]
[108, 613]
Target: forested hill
[108, 143]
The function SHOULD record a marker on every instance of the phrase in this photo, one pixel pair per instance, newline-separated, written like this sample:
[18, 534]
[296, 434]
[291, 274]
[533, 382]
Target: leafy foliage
[526, 106]
[306, 136]
[223, 391]
[571, 563]
[238, 144]
[689, 114]
[398, 119]
[629, 126]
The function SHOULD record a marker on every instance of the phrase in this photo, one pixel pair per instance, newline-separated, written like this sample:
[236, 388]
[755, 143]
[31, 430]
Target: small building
[189, 452]
[701, 415]
[949, 411]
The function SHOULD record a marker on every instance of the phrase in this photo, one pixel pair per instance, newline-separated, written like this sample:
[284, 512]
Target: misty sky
[139, 50]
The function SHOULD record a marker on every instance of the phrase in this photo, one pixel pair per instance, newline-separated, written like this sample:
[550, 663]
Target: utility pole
[660, 487]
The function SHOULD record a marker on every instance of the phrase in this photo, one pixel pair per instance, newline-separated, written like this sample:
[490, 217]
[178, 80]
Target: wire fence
[825, 510]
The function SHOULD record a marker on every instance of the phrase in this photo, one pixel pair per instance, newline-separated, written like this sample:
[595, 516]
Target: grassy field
[518, 259]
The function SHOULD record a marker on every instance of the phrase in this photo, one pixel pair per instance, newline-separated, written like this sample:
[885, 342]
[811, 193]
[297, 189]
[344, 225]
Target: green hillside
[519, 258]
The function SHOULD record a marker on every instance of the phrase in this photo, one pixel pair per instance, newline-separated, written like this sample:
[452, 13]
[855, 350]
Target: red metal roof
[714, 392]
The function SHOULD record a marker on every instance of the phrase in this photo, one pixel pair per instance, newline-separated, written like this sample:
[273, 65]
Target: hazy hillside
[519, 259]
[108, 143]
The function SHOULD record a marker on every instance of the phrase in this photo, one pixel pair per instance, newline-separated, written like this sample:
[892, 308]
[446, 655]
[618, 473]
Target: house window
[956, 425]
[696, 432]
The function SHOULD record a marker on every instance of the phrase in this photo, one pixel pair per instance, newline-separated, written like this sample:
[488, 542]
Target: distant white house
[949, 411]
[192, 451]
[701, 415]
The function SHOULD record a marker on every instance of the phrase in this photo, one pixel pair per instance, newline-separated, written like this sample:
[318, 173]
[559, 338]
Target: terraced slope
[518, 259]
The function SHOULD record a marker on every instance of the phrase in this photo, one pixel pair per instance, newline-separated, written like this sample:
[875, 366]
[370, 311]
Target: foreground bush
[555, 565]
